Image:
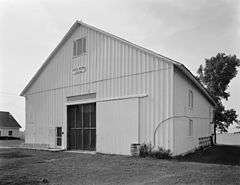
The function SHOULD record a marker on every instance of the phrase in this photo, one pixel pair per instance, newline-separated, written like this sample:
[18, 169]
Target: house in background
[98, 92]
[9, 127]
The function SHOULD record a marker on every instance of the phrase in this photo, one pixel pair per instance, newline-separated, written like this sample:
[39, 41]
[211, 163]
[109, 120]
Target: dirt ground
[30, 167]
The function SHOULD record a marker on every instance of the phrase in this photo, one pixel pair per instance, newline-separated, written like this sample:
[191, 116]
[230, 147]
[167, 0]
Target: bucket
[135, 149]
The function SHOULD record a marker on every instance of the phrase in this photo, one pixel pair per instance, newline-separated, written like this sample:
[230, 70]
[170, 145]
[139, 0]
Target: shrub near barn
[146, 150]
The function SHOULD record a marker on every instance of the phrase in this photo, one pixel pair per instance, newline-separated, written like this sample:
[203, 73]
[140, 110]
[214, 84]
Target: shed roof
[7, 120]
[78, 23]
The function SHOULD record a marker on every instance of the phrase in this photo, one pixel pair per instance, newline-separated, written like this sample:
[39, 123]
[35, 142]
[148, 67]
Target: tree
[216, 75]
[238, 125]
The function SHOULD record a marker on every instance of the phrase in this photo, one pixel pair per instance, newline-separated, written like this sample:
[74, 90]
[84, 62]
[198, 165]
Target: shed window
[10, 133]
[190, 99]
[79, 47]
[190, 127]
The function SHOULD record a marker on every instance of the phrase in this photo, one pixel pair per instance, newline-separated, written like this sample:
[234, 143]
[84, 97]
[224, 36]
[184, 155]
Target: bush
[161, 153]
[146, 150]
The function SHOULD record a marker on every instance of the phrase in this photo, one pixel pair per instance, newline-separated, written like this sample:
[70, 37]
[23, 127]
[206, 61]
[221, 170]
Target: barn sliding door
[81, 122]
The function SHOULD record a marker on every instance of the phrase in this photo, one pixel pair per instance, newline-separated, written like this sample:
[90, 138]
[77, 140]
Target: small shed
[9, 127]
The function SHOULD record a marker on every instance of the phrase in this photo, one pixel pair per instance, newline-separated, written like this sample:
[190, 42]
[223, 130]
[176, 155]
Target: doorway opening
[81, 127]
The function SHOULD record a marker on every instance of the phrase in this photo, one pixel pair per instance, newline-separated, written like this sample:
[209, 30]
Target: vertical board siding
[114, 69]
[199, 114]
[121, 127]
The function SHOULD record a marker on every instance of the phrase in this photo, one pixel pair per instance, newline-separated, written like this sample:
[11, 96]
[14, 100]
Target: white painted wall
[117, 125]
[228, 139]
[201, 125]
[15, 132]
[114, 69]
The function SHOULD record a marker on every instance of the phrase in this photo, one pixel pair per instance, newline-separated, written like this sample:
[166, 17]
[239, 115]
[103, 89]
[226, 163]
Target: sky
[188, 31]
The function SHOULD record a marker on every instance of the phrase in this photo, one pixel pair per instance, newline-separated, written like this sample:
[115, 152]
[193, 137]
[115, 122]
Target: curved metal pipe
[155, 131]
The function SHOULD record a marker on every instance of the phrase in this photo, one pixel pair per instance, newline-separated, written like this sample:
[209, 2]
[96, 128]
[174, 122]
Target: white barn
[101, 93]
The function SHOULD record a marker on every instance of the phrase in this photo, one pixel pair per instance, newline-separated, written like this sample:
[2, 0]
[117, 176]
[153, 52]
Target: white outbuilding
[98, 92]
[9, 127]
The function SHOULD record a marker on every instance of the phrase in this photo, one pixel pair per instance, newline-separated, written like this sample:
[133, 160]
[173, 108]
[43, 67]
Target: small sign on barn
[78, 70]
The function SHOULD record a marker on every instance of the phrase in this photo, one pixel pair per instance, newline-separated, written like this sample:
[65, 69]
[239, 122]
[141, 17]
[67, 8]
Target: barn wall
[113, 69]
[15, 132]
[201, 114]
[117, 126]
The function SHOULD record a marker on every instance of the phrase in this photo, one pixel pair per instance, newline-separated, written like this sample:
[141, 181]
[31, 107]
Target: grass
[220, 154]
[10, 143]
[30, 167]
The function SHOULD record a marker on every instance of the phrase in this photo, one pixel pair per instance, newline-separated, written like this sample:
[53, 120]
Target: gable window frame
[79, 46]
[190, 99]
[190, 127]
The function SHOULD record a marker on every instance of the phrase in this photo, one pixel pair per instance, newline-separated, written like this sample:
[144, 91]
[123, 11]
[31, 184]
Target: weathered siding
[114, 69]
[199, 114]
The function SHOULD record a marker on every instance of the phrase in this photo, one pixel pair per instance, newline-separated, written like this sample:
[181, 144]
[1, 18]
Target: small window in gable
[79, 47]
[190, 99]
[9, 133]
[190, 128]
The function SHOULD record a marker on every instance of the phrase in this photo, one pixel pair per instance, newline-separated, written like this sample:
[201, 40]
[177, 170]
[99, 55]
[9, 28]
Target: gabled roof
[7, 120]
[78, 23]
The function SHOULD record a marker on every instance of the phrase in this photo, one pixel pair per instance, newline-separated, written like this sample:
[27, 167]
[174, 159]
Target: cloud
[180, 26]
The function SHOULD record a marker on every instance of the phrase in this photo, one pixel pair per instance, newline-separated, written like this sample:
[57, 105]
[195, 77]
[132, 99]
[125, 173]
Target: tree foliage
[216, 75]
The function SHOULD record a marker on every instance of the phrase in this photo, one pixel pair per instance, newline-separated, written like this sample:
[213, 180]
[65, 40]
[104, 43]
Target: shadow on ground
[219, 154]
